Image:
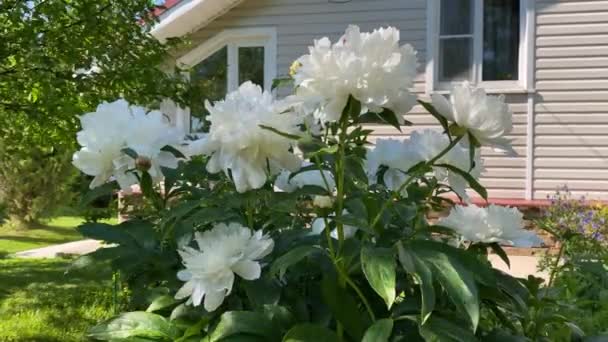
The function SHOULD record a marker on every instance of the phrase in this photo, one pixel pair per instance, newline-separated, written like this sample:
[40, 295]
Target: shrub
[34, 181]
[331, 243]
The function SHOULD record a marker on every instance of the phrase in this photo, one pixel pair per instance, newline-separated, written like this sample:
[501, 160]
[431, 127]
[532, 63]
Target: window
[225, 61]
[481, 41]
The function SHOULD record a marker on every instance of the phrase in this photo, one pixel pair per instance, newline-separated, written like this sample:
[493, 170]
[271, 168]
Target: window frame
[233, 39]
[523, 84]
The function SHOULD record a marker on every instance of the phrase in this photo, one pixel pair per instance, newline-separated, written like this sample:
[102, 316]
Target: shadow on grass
[40, 302]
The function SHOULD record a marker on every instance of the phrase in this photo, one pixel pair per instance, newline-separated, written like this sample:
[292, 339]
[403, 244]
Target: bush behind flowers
[285, 223]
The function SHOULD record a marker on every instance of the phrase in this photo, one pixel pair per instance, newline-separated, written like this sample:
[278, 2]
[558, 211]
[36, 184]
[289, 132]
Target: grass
[39, 302]
[55, 231]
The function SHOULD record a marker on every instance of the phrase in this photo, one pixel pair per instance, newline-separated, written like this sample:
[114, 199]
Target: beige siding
[571, 78]
[571, 110]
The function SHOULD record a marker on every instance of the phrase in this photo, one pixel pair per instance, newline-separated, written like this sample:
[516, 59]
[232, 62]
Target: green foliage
[59, 59]
[397, 278]
[579, 271]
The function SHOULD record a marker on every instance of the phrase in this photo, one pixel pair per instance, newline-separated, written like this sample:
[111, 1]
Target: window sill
[506, 91]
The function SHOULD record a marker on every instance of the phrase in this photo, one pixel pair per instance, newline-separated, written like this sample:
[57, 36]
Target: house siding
[571, 109]
[570, 145]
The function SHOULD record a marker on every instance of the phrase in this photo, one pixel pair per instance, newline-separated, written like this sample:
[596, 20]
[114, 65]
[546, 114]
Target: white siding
[571, 111]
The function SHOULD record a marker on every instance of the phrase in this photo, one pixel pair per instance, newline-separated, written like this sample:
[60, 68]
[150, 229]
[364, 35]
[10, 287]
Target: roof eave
[191, 17]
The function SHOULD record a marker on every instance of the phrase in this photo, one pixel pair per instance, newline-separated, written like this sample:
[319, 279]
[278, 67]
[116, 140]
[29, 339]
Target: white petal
[184, 275]
[443, 106]
[214, 299]
[247, 269]
[185, 291]
[197, 294]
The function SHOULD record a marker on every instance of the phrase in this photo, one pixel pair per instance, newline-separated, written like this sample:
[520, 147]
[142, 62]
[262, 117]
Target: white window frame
[524, 83]
[233, 39]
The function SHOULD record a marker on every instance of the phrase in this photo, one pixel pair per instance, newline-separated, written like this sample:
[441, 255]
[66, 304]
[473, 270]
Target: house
[548, 57]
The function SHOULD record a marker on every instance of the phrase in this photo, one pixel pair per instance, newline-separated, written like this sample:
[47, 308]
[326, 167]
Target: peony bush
[288, 221]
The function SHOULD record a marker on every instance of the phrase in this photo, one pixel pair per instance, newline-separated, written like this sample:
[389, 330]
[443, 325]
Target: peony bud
[143, 163]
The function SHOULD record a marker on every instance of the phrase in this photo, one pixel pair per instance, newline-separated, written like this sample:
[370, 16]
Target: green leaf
[283, 134]
[311, 167]
[354, 168]
[243, 322]
[352, 109]
[147, 188]
[173, 151]
[502, 336]
[390, 118]
[281, 264]
[379, 265]
[448, 267]
[160, 303]
[344, 308]
[380, 331]
[442, 120]
[471, 153]
[280, 316]
[473, 183]
[501, 253]
[308, 332]
[442, 330]
[136, 324]
[100, 191]
[280, 82]
[106, 232]
[130, 152]
[263, 291]
[412, 264]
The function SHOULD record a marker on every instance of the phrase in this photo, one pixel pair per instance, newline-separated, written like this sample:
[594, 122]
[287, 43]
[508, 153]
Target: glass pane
[251, 65]
[456, 17]
[500, 40]
[210, 81]
[455, 59]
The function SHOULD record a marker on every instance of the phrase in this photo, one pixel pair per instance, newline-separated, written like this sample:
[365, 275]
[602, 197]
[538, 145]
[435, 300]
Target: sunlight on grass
[55, 231]
[38, 302]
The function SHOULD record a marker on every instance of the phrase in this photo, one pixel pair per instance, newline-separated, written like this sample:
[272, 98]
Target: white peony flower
[318, 226]
[429, 143]
[148, 134]
[222, 252]
[238, 145]
[371, 67]
[486, 117]
[311, 177]
[491, 224]
[114, 127]
[323, 201]
[396, 156]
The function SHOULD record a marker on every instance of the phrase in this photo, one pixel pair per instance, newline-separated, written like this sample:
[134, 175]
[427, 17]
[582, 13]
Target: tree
[61, 58]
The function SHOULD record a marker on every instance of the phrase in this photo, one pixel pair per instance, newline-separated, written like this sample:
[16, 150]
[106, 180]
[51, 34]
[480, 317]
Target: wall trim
[233, 39]
[526, 66]
[530, 7]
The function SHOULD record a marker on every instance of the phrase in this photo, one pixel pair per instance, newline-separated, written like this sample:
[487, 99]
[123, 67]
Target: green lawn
[55, 231]
[39, 302]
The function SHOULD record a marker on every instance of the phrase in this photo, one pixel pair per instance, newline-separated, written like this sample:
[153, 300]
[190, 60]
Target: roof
[180, 17]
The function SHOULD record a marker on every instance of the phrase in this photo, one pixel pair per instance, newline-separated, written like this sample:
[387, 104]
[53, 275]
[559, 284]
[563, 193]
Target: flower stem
[415, 175]
[562, 249]
[340, 183]
[250, 219]
[356, 288]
